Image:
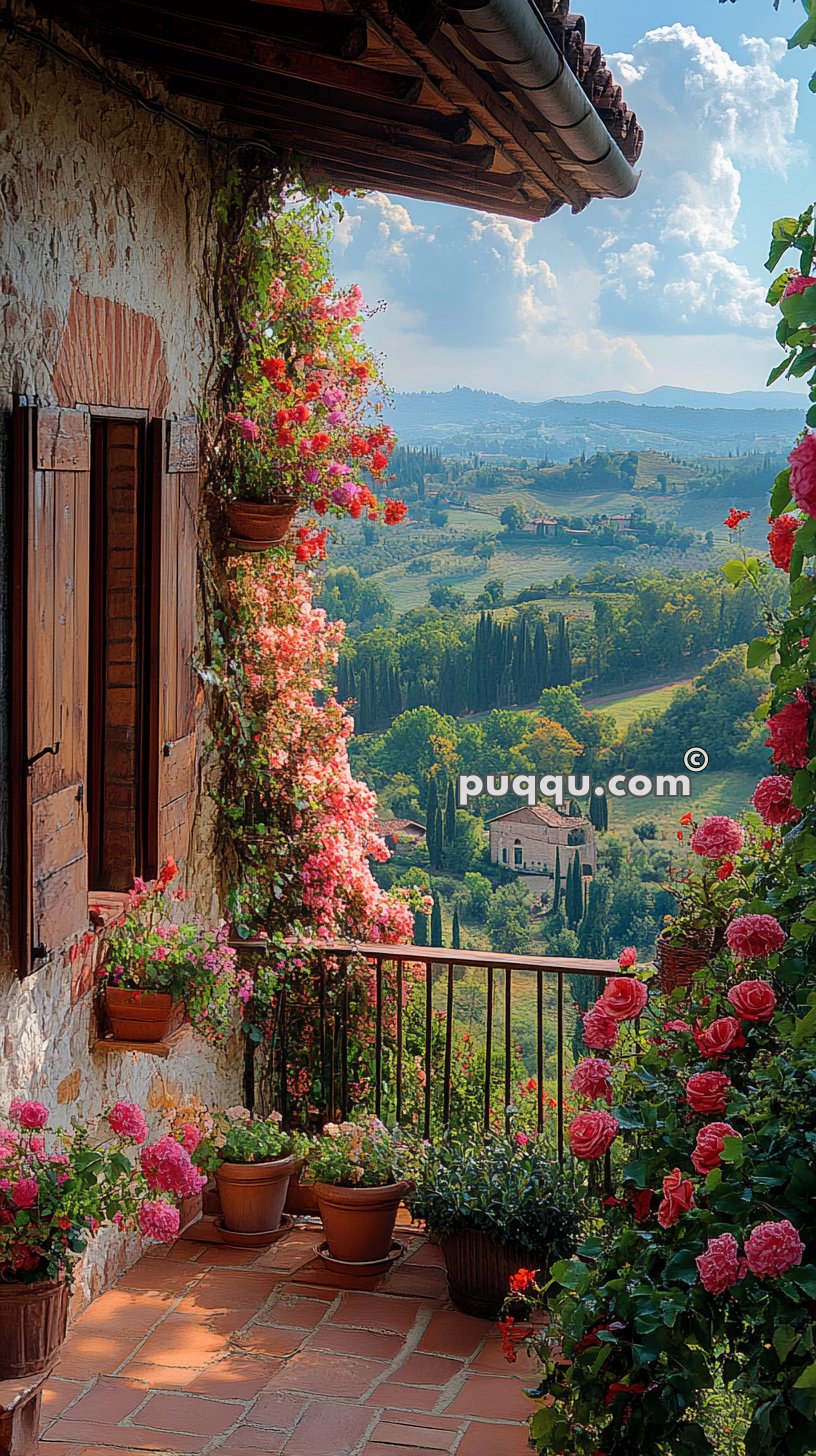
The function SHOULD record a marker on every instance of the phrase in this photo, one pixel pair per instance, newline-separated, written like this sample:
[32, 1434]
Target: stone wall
[106, 252]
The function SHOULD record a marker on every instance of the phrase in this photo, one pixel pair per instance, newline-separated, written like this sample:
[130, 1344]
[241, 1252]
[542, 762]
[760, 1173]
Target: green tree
[436, 922]
[508, 919]
[455, 931]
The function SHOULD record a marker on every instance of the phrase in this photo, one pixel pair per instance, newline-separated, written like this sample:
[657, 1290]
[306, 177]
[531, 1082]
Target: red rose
[802, 460]
[628, 957]
[773, 800]
[678, 1198]
[788, 731]
[772, 1249]
[708, 1091]
[591, 1134]
[753, 1000]
[707, 1153]
[726, 870]
[600, 1028]
[751, 937]
[780, 540]
[592, 1079]
[717, 837]
[723, 1036]
[719, 1265]
[623, 998]
[641, 1201]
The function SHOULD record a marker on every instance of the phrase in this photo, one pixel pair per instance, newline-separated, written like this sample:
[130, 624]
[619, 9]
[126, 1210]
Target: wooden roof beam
[437, 192]
[460, 177]
[318, 32]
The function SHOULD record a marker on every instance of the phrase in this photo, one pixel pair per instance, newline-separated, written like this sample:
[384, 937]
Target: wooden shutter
[174, 681]
[50, 578]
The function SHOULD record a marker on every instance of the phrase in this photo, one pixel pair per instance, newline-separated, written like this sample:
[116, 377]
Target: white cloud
[394, 217]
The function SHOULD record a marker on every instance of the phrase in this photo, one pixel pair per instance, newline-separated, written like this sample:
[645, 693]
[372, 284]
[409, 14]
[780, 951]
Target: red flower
[717, 837]
[708, 1150]
[803, 474]
[624, 998]
[678, 1198]
[687, 819]
[273, 368]
[723, 1036]
[734, 518]
[508, 1348]
[780, 540]
[753, 1000]
[772, 1249]
[750, 937]
[168, 872]
[522, 1280]
[641, 1201]
[797, 283]
[591, 1134]
[395, 511]
[725, 870]
[719, 1265]
[708, 1091]
[600, 1028]
[627, 957]
[773, 800]
[379, 460]
[320, 441]
[592, 1079]
[788, 731]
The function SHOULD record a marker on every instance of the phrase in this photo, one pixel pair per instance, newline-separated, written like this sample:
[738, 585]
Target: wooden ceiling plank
[349, 181]
[317, 32]
[463, 178]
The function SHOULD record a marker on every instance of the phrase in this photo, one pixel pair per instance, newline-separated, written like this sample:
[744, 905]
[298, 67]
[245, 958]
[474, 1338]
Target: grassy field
[712, 793]
[517, 563]
[626, 707]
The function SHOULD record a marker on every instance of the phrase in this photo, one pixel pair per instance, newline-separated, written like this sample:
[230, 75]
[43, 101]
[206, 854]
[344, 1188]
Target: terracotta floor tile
[83, 1433]
[376, 1448]
[328, 1426]
[452, 1333]
[491, 1440]
[237, 1377]
[182, 1340]
[426, 1255]
[492, 1396]
[428, 1370]
[109, 1401]
[318, 1374]
[183, 1251]
[85, 1355]
[220, 1256]
[412, 1418]
[276, 1410]
[342, 1340]
[270, 1340]
[162, 1377]
[316, 1273]
[57, 1394]
[407, 1438]
[393, 1396]
[249, 1442]
[431, 1284]
[156, 1275]
[221, 1290]
[491, 1361]
[296, 1311]
[58, 1448]
[122, 1312]
[325, 1293]
[376, 1312]
[193, 1415]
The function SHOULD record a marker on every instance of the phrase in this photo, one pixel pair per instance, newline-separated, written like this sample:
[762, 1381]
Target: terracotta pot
[253, 1194]
[479, 1270]
[677, 964]
[33, 1320]
[142, 1015]
[359, 1222]
[259, 526]
[301, 1197]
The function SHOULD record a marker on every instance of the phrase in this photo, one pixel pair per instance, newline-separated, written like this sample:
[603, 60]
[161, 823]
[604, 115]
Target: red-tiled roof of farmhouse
[544, 814]
[499, 105]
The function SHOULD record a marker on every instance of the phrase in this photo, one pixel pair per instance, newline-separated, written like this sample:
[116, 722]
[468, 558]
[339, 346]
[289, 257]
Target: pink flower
[591, 1134]
[678, 1198]
[802, 461]
[25, 1192]
[788, 730]
[592, 1079]
[719, 1265]
[522, 1139]
[190, 1138]
[772, 1249]
[623, 998]
[708, 1150]
[627, 957]
[717, 837]
[750, 937]
[249, 430]
[29, 1114]
[128, 1121]
[168, 1169]
[600, 1029]
[780, 540]
[723, 1036]
[708, 1091]
[753, 1000]
[676, 1026]
[159, 1221]
[773, 800]
[797, 283]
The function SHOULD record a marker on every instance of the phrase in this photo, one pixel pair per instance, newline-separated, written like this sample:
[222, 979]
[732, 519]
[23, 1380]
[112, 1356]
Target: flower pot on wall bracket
[677, 964]
[33, 1320]
[359, 1222]
[146, 1016]
[256, 526]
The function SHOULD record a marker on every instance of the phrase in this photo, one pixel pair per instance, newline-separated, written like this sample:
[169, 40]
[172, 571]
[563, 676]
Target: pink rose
[708, 1091]
[591, 1134]
[772, 1249]
[623, 998]
[25, 1192]
[678, 1198]
[159, 1221]
[592, 1079]
[750, 937]
[128, 1121]
[600, 1029]
[773, 800]
[719, 1265]
[249, 430]
[30, 1114]
[802, 460]
[708, 1150]
[717, 837]
[676, 1026]
[753, 1000]
[788, 731]
[723, 1036]
[628, 957]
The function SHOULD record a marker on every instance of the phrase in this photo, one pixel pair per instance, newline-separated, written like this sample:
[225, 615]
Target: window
[103, 691]
[504, 855]
[518, 855]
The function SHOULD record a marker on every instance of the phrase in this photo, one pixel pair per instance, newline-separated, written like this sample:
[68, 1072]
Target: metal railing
[312, 1032]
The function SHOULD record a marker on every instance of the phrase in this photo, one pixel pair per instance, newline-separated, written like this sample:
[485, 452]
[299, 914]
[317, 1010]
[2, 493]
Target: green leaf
[780, 493]
[804, 362]
[807, 1380]
[800, 308]
[805, 1029]
[734, 571]
[804, 1278]
[682, 1267]
[784, 1340]
[777, 372]
[760, 651]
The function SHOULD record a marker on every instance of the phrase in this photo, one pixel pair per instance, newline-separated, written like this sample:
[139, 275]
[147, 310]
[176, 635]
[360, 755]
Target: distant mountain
[469, 421]
[746, 399]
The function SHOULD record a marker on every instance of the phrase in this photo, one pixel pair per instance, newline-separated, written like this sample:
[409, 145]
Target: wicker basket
[479, 1270]
[676, 964]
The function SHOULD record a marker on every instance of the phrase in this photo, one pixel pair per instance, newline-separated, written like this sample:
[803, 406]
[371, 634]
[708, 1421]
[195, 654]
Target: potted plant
[354, 1170]
[495, 1202]
[306, 430]
[706, 895]
[59, 1187]
[156, 973]
[253, 1159]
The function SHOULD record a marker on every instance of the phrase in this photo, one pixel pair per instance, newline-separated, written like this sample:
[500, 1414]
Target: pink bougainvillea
[168, 1169]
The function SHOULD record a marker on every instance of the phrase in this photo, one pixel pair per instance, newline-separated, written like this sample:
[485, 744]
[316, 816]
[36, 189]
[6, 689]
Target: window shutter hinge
[39, 952]
[80, 793]
[53, 748]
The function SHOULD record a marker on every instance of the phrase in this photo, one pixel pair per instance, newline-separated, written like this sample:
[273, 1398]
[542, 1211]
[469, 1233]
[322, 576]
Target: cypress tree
[455, 933]
[435, 842]
[420, 928]
[556, 904]
[436, 922]
[430, 800]
[575, 894]
[449, 827]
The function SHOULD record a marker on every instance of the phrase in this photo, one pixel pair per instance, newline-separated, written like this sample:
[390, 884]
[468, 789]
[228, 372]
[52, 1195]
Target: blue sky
[665, 288]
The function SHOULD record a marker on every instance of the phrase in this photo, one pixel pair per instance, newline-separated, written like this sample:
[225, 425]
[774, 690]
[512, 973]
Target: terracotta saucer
[369, 1266]
[238, 1240]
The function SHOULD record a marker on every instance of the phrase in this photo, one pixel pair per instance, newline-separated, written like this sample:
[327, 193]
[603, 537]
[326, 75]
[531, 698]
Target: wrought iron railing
[313, 1023]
